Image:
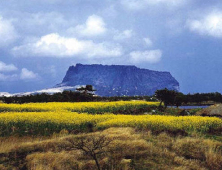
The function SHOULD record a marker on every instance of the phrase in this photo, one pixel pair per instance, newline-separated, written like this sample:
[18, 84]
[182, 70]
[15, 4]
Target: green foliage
[172, 111]
[166, 96]
[194, 111]
[170, 97]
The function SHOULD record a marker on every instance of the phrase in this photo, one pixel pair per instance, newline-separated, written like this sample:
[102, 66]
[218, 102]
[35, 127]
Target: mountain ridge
[119, 80]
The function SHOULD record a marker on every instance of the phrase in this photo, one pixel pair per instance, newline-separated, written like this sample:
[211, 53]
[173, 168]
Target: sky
[40, 39]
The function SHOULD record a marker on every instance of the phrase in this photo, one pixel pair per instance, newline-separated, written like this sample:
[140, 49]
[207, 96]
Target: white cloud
[27, 75]
[148, 41]
[54, 45]
[24, 75]
[4, 77]
[151, 56]
[142, 4]
[6, 68]
[210, 24]
[7, 32]
[94, 26]
[123, 35]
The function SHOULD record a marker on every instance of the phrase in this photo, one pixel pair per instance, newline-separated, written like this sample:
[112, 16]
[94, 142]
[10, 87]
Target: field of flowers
[124, 107]
[46, 123]
[49, 118]
[44, 136]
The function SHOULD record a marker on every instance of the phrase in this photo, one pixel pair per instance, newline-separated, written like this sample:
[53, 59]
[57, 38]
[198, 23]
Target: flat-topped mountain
[119, 80]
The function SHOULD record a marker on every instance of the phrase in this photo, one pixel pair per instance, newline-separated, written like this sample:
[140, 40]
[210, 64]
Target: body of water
[190, 107]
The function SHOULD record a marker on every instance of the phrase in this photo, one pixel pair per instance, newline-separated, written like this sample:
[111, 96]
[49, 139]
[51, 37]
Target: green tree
[179, 99]
[166, 96]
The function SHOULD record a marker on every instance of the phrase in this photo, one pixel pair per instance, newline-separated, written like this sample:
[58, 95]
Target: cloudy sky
[40, 39]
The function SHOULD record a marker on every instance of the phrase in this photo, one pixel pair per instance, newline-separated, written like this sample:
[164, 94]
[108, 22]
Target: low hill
[214, 110]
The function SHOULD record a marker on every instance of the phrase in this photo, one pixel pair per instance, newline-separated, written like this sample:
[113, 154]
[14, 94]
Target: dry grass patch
[207, 151]
[51, 161]
[8, 143]
[195, 148]
[214, 159]
[116, 149]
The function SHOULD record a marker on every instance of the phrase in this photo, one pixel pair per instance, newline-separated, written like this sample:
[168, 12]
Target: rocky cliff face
[119, 80]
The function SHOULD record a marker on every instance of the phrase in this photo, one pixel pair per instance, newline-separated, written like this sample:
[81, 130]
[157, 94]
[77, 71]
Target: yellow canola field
[50, 122]
[89, 107]
[168, 123]
[47, 118]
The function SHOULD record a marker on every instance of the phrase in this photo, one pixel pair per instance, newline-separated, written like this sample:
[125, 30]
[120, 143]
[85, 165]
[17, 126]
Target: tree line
[174, 98]
[86, 94]
[69, 96]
